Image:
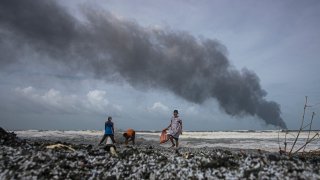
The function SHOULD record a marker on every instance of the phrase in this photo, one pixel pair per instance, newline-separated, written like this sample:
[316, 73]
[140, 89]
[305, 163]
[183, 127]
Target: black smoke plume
[192, 68]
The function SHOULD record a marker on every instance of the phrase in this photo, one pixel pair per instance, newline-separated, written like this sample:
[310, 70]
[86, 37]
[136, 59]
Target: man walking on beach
[175, 129]
[108, 130]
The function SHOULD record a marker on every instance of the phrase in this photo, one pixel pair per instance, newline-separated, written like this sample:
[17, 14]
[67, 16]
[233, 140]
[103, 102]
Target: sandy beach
[34, 158]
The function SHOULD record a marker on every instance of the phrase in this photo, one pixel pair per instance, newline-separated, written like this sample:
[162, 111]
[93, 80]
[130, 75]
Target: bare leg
[177, 143]
[171, 139]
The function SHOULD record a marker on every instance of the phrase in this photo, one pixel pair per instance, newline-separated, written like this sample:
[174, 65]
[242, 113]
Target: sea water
[264, 140]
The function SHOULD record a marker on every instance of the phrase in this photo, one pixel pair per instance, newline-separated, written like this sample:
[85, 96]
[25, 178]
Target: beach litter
[60, 146]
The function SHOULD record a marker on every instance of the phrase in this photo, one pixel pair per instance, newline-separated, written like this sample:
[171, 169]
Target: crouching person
[129, 135]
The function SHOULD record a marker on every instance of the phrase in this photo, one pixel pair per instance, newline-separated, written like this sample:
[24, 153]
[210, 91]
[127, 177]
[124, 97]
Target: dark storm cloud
[192, 68]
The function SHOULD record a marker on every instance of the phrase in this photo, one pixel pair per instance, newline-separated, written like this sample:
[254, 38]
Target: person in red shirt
[130, 135]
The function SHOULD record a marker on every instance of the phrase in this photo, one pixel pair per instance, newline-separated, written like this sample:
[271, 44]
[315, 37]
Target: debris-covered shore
[39, 159]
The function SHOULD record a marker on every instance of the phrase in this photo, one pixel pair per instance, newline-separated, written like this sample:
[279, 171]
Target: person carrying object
[175, 129]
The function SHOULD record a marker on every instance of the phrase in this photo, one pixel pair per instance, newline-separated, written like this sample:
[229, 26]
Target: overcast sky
[225, 65]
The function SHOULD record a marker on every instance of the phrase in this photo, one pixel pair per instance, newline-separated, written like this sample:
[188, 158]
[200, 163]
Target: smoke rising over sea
[112, 49]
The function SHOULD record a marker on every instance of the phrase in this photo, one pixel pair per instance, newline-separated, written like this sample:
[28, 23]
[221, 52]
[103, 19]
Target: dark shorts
[174, 137]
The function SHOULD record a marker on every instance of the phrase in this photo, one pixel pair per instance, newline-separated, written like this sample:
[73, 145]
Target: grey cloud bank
[114, 49]
[195, 69]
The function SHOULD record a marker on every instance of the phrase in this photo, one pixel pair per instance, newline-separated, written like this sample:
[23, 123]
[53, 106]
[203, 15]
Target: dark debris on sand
[21, 159]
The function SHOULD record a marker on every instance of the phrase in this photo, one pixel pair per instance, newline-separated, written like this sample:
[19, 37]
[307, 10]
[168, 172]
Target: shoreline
[31, 158]
[267, 141]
